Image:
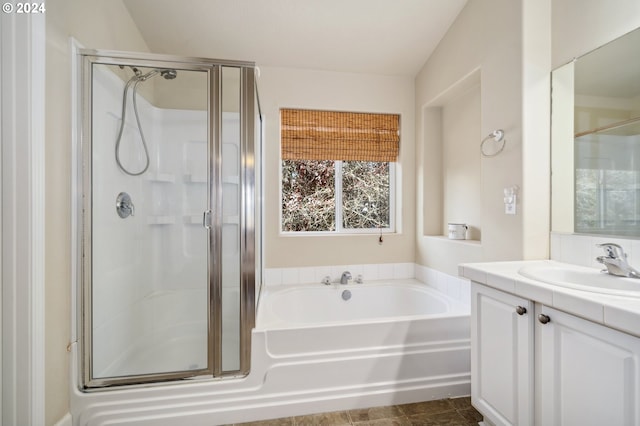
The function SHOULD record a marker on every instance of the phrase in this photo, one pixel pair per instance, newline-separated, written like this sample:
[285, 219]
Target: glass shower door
[168, 245]
[150, 227]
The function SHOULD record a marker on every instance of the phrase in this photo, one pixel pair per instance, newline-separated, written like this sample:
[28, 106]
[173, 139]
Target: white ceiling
[392, 37]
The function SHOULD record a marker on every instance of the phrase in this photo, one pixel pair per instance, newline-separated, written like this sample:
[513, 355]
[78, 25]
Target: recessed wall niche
[452, 162]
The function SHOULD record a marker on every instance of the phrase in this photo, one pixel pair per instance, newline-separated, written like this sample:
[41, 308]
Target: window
[337, 171]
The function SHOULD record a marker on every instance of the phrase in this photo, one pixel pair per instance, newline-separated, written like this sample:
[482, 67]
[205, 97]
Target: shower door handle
[206, 219]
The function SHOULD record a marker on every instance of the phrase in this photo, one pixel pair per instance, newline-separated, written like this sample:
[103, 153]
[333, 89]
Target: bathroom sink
[582, 278]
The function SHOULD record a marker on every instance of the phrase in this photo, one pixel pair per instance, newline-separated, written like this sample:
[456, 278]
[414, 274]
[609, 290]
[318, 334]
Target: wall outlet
[510, 197]
[510, 208]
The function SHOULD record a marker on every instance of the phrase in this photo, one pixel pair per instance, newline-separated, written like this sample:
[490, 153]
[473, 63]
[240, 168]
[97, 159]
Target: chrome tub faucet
[345, 278]
[615, 261]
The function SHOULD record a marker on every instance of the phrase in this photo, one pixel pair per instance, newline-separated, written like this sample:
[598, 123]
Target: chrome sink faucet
[615, 261]
[345, 278]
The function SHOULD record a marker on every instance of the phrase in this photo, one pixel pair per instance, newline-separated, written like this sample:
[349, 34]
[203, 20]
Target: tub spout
[346, 277]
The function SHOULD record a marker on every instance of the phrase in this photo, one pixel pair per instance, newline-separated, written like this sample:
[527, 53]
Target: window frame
[340, 230]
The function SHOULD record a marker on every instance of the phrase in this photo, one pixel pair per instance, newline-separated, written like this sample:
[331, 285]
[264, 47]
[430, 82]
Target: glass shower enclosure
[169, 250]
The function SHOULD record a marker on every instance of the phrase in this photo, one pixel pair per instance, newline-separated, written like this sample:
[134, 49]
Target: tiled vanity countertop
[618, 312]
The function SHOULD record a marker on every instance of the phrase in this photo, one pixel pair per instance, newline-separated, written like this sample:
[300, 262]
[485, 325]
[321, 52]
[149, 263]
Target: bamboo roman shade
[331, 135]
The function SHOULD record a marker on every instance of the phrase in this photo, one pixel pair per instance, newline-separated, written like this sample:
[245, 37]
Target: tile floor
[456, 411]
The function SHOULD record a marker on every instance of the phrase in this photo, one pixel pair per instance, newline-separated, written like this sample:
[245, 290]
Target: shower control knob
[521, 310]
[124, 205]
[544, 318]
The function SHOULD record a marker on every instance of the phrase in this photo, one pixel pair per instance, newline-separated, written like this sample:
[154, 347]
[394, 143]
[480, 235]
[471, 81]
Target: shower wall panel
[118, 285]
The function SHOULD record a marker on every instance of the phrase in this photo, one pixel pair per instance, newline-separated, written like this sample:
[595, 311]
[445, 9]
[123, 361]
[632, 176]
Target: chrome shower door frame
[213, 68]
[249, 215]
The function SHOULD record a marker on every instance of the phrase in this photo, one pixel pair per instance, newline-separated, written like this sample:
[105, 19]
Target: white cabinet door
[589, 374]
[502, 356]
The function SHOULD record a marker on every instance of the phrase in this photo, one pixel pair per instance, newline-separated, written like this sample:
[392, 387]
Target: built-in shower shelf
[195, 178]
[161, 177]
[161, 220]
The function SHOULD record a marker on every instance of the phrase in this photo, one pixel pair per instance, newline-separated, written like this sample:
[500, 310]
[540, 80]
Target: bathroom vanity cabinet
[502, 356]
[535, 365]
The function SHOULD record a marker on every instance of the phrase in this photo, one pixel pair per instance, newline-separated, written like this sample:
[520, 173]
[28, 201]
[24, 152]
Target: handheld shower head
[168, 74]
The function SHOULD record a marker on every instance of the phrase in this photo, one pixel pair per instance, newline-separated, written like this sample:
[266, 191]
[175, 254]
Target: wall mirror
[595, 141]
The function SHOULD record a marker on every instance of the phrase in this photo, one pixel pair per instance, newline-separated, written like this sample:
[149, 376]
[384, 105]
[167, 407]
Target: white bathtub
[313, 305]
[391, 343]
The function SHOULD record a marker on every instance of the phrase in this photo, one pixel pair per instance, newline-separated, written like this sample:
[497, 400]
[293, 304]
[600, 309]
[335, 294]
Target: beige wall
[487, 37]
[297, 88]
[536, 119]
[462, 190]
[579, 26]
[95, 24]
[562, 158]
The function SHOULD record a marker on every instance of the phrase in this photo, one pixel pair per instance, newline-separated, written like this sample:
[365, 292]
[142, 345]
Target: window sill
[336, 234]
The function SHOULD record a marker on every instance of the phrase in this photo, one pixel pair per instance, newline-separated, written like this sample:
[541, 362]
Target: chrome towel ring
[497, 136]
